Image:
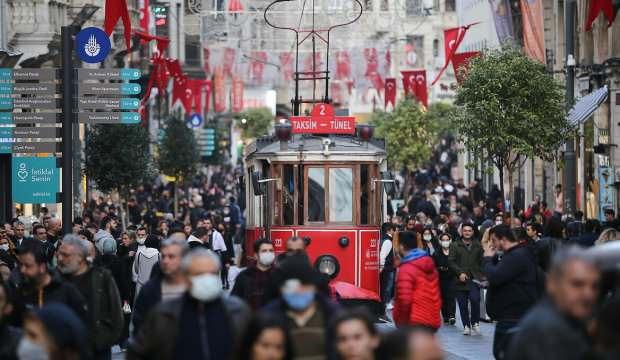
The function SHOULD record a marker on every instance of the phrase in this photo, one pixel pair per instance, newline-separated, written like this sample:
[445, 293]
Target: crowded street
[309, 180]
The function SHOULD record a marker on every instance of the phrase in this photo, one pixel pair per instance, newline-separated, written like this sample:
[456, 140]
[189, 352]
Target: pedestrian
[611, 221]
[251, 283]
[201, 324]
[19, 233]
[556, 327]
[307, 311]
[53, 332]
[54, 229]
[7, 251]
[447, 279]
[40, 234]
[266, 338]
[97, 286]
[108, 225]
[171, 284]
[145, 259]
[411, 343]
[428, 240]
[200, 238]
[386, 265]
[513, 282]
[9, 335]
[356, 335]
[417, 299]
[228, 255]
[37, 285]
[465, 260]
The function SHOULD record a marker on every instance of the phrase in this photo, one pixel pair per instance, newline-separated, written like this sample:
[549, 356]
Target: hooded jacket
[99, 237]
[417, 300]
[145, 259]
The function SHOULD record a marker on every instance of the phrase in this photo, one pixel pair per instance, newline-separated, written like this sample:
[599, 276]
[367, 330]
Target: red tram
[327, 187]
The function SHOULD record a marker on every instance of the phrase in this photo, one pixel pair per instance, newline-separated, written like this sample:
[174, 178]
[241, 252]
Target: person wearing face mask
[9, 335]
[447, 277]
[201, 324]
[145, 259]
[428, 241]
[417, 300]
[515, 282]
[53, 332]
[251, 283]
[306, 309]
[97, 285]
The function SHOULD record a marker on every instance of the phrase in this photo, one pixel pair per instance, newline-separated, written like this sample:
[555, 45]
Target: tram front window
[340, 194]
[316, 194]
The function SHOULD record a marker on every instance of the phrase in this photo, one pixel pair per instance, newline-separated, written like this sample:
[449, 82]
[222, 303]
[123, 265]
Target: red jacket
[417, 300]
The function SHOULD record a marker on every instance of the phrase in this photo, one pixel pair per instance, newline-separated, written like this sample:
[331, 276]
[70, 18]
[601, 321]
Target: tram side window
[341, 195]
[316, 194]
[365, 194]
[288, 194]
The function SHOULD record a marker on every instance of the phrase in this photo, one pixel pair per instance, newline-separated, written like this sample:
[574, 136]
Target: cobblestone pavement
[460, 347]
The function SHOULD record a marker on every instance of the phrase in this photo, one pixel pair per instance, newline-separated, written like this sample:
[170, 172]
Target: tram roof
[339, 145]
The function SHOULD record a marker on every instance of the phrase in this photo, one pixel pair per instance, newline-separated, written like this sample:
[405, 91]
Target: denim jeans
[469, 297]
[448, 305]
[386, 279]
[504, 330]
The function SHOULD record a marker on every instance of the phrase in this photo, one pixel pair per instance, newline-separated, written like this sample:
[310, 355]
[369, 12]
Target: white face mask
[498, 222]
[206, 287]
[266, 258]
[4, 247]
[445, 244]
[28, 350]
[427, 237]
[141, 240]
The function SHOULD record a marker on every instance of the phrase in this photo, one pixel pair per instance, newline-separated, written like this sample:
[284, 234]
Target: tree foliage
[117, 156]
[258, 122]
[510, 109]
[440, 116]
[178, 150]
[408, 133]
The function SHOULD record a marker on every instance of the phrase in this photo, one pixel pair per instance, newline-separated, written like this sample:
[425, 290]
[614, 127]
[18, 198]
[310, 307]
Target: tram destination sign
[322, 121]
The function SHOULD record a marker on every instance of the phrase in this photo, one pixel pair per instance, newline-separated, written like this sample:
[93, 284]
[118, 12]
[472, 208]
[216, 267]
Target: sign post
[66, 34]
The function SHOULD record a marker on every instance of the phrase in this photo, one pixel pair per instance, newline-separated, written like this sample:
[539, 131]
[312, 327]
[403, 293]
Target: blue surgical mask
[298, 301]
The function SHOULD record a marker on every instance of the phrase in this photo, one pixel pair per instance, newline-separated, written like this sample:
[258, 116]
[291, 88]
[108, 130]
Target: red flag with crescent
[390, 92]
[452, 38]
[257, 65]
[219, 86]
[598, 6]
[343, 65]
[115, 10]
[286, 65]
[460, 64]
[237, 95]
[414, 82]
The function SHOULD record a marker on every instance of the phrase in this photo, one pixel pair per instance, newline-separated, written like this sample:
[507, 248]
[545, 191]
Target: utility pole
[4, 30]
[570, 169]
[66, 34]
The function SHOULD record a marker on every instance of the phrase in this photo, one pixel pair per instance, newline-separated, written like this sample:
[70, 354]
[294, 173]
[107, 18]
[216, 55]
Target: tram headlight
[328, 265]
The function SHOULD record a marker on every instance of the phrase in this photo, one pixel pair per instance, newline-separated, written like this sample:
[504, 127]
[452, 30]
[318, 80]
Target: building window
[316, 194]
[414, 7]
[436, 48]
[341, 195]
[450, 5]
[192, 50]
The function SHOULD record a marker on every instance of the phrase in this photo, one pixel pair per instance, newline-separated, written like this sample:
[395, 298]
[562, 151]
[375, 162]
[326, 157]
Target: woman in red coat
[418, 299]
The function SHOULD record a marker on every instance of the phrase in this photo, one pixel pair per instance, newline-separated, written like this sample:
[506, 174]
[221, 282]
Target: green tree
[178, 153]
[257, 122]
[117, 158]
[440, 116]
[510, 109]
[409, 136]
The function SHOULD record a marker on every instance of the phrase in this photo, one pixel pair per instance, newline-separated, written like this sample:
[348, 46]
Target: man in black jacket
[512, 282]
[9, 335]
[37, 286]
[251, 283]
[556, 327]
[171, 284]
[96, 284]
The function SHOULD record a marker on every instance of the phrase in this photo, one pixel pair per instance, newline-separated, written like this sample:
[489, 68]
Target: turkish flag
[452, 39]
[235, 6]
[162, 42]
[237, 95]
[596, 6]
[229, 61]
[414, 82]
[390, 92]
[206, 55]
[343, 65]
[114, 10]
[195, 85]
[257, 65]
[286, 65]
[160, 73]
[208, 87]
[174, 67]
[219, 85]
[460, 63]
[144, 15]
[179, 92]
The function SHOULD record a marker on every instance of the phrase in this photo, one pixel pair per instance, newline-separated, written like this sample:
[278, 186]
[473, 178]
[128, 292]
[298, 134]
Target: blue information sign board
[36, 180]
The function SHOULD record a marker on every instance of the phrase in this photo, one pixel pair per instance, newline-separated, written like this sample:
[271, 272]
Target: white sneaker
[466, 331]
[475, 329]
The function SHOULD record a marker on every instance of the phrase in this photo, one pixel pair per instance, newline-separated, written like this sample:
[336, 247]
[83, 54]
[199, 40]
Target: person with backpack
[514, 282]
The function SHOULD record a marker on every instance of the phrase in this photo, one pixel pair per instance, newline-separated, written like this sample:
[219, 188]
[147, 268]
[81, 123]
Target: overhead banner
[390, 92]
[414, 82]
[460, 64]
[533, 36]
[502, 16]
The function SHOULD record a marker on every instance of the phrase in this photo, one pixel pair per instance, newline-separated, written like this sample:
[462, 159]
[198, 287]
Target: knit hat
[63, 325]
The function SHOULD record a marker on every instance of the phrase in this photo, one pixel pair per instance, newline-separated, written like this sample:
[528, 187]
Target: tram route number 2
[323, 121]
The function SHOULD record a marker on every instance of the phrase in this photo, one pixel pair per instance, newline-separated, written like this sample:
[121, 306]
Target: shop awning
[587, 105]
